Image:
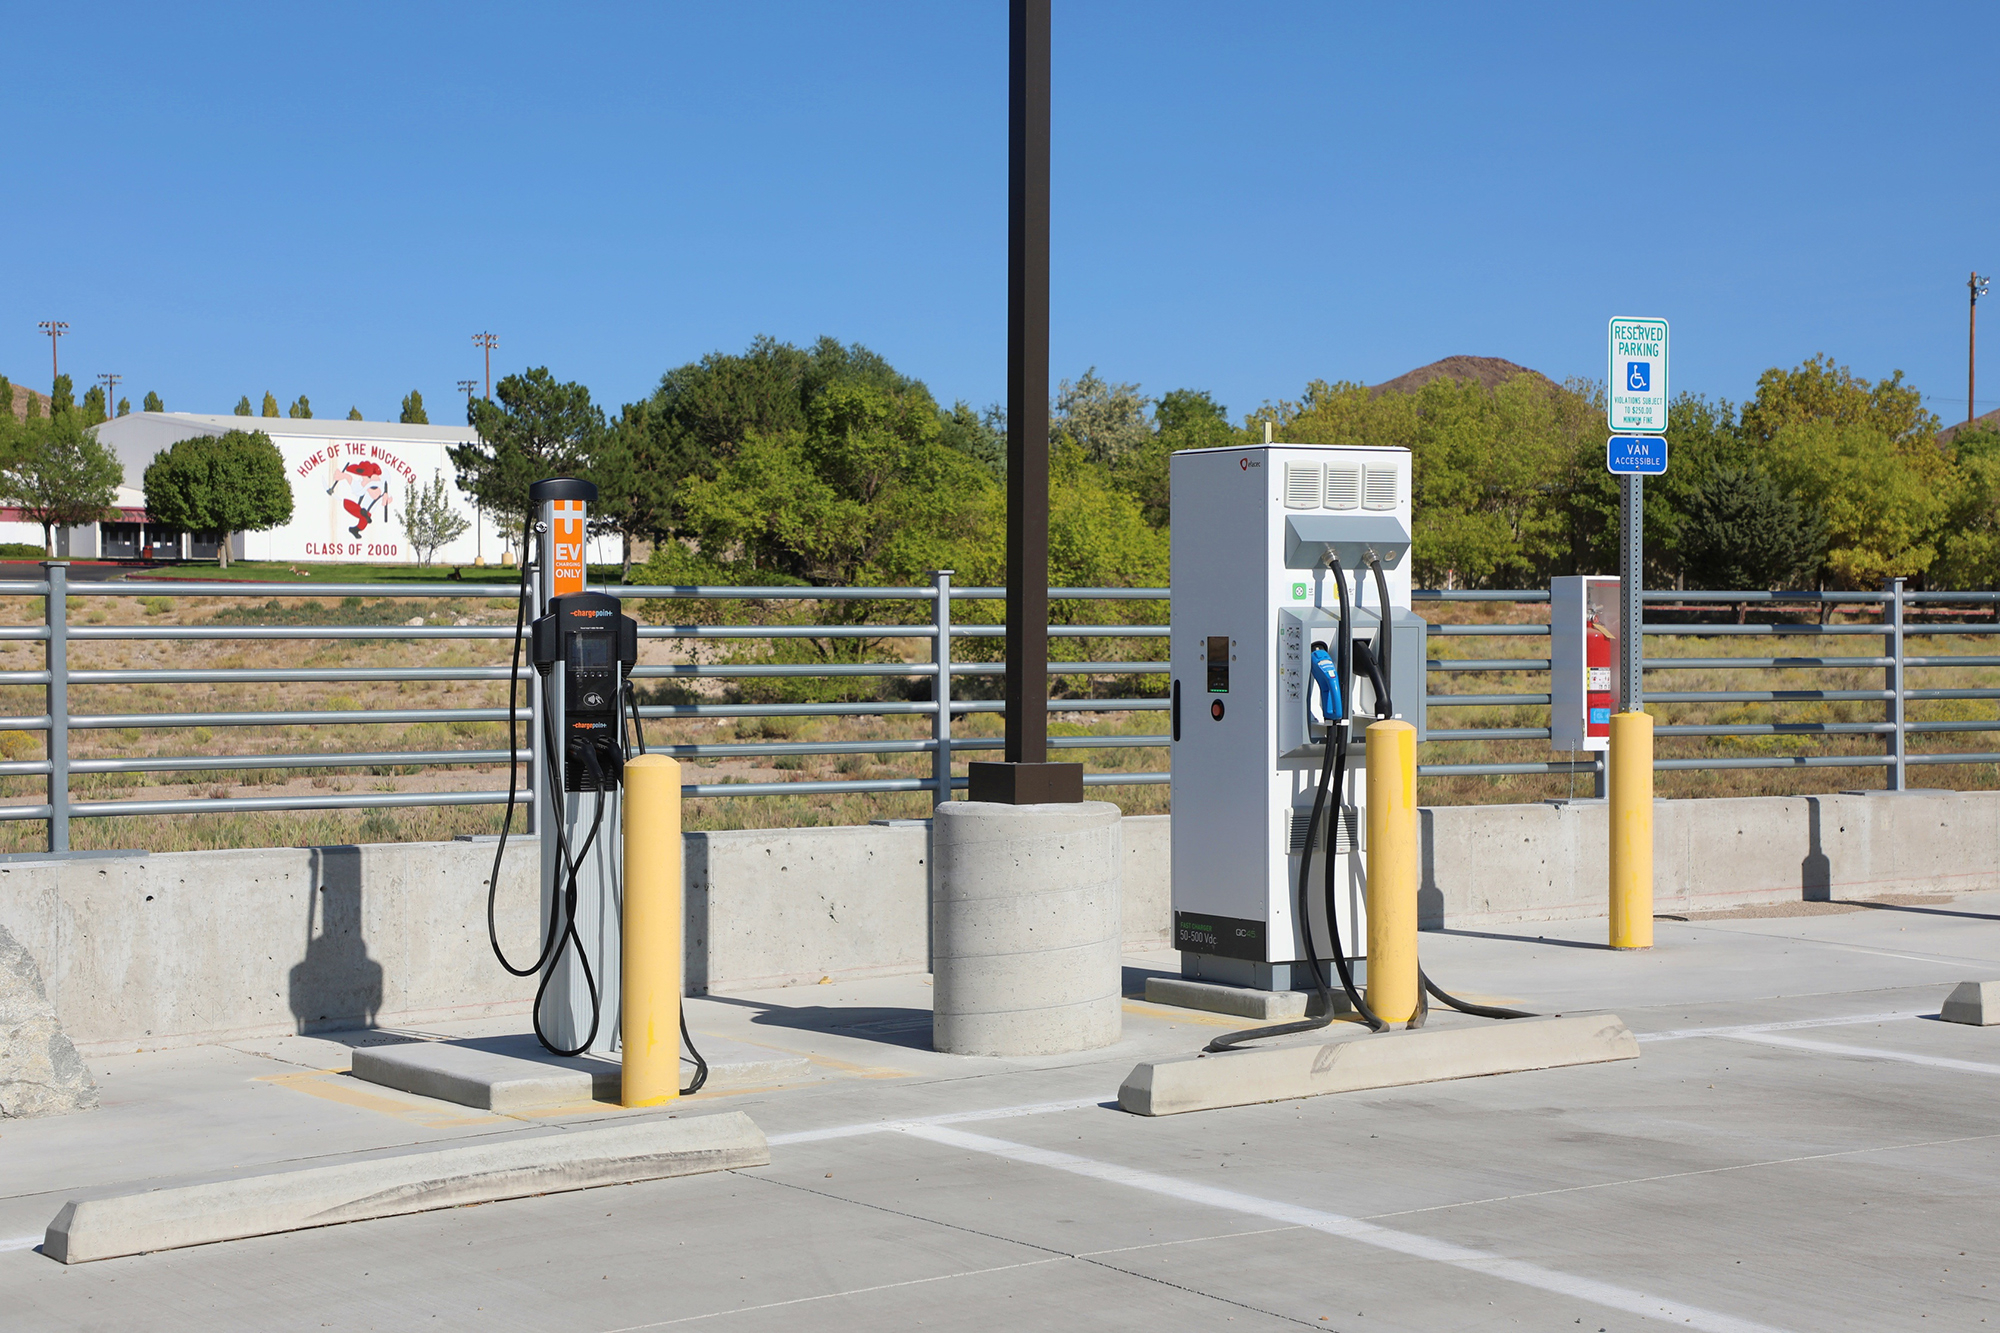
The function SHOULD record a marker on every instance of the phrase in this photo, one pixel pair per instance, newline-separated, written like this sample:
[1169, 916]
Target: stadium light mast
[1977, 285]
[487, 342]
[55, 328]
[478, 510]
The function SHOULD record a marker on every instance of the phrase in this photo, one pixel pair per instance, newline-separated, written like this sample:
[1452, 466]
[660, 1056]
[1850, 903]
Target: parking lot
[1801, 1145]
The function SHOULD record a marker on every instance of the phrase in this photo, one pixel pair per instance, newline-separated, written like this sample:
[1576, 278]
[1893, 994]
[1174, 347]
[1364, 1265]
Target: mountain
[1985, 421]
[1491, 371]
[21, 394]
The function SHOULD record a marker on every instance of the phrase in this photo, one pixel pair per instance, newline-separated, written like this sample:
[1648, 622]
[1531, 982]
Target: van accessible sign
[1637, 400]
[1635, 455]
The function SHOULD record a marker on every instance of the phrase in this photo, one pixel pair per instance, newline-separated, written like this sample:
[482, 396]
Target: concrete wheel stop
[389, 1184]
[1217, 997]
[1973, 1002]
[1251, 1075]
[512, 1074]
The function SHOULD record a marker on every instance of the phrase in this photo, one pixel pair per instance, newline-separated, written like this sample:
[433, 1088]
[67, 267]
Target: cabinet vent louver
[1344, 840]
[1302, 482]
[1343, 486]
[1381, 489]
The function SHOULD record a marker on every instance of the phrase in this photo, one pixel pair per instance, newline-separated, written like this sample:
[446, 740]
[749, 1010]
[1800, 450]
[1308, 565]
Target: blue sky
[330, 200]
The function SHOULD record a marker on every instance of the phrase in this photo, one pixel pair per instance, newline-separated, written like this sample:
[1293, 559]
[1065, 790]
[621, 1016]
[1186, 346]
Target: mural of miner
[367, 492]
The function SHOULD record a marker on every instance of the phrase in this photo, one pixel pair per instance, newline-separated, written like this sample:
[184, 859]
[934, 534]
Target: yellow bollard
[1631, 762]
[1392, 870]
[650, 1021]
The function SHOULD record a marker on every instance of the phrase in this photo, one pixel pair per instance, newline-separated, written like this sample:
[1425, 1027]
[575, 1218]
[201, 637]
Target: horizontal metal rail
[1887, 617]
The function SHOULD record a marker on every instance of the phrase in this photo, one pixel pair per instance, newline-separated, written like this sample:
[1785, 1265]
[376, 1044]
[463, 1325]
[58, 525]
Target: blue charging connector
[1329, 685]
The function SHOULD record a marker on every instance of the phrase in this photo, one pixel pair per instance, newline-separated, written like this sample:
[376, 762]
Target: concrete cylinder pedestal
[1025, 928]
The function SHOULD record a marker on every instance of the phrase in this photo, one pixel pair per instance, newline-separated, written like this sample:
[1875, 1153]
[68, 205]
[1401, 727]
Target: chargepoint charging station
[582, 647]
[1276, 550]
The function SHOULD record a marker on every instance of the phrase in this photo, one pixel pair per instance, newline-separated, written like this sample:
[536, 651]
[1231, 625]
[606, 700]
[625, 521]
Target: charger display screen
[590, 649]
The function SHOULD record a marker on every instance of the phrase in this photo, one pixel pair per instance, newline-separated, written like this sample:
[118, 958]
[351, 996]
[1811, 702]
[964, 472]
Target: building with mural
[350, 483]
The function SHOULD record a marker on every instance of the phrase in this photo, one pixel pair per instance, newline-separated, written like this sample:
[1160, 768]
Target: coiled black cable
[566, 871]
[1332, 775]
[513, 778]
[1385, 707]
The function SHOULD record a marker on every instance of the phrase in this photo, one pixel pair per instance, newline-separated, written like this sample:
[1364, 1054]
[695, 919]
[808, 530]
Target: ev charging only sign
[1638, 377]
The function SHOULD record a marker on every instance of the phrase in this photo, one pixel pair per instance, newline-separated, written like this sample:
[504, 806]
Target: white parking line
[20, 1243]
[1745, 1029]
[1605, 1294]
[1870, 1053]
[950, 1118]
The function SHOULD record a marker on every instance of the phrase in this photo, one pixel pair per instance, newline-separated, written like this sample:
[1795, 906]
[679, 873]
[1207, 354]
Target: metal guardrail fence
[57, 721]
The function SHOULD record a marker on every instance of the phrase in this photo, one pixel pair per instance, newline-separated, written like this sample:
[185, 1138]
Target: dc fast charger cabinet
[1246, 762]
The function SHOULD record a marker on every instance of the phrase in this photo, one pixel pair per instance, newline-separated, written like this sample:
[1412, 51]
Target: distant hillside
[1986, 421]
[1491, 371]
[21, 395]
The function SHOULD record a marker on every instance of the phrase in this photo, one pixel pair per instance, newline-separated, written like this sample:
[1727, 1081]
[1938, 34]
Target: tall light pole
[478, 510]
[110, 393]
[1977, 286]
[1024, 776]
[55, 328]
[487, 341]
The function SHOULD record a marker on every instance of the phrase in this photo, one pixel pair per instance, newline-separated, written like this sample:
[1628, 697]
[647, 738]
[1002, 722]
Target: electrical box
[1583, 656]
[1253, 593]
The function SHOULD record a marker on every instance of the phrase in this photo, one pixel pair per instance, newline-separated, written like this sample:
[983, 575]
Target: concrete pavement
[1797, 1148]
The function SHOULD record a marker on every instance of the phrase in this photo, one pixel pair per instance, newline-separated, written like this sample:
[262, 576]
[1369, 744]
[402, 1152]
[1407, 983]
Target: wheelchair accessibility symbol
[1639, 376]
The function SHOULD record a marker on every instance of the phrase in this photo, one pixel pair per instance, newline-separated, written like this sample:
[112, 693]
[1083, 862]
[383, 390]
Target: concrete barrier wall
[195, 947]
[1492, 864]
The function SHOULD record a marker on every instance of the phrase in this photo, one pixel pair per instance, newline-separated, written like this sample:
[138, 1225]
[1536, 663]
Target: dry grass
[300, 828]
[1720, 782]
[187, 832]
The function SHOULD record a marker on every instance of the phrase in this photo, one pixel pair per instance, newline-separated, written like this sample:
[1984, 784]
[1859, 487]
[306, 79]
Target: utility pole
[110, 394]
[467, 386]
[55, 328]
[1977, 285]
[488, 341]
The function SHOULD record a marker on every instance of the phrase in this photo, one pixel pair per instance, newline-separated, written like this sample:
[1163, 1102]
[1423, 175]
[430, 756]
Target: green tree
[154, 403]
[229, 483]
[243, 405]
[1182, 419]
[301, 410]
[702, 412]
[6, 399]
[1107, 420]
[867, 492]
[1882, 504]
[1970, 554]
[58, 475]
[354, 414]
[1493, 469]
[124, 407]
[539, 428]
[94, 409]
[1819, 391]
[413, 410]
[270, 404]
[62, 398]
[1743, 531]
[430, 521]
[980, 436]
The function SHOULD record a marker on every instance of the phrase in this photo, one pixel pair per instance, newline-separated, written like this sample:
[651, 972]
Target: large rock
[40, 1071]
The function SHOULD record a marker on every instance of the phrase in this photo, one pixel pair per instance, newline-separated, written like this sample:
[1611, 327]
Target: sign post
[1636, 404]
